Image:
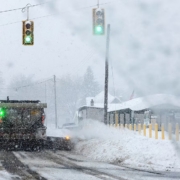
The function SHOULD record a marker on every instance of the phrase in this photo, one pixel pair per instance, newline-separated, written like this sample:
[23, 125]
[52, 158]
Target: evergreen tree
[90, 86]
[68, 95]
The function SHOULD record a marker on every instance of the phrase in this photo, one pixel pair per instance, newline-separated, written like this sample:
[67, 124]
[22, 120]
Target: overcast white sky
[144, 47]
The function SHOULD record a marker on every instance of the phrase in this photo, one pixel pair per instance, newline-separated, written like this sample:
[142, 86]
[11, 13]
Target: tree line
[71, 93]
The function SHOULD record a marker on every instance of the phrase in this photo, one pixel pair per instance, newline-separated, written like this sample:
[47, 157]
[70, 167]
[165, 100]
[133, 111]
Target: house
[94, 108]
[159, 108]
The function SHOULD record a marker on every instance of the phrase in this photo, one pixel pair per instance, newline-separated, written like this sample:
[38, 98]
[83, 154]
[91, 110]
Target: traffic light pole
[106, 75]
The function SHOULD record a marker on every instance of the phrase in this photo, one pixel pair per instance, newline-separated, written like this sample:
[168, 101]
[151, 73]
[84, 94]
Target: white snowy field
[128, 148]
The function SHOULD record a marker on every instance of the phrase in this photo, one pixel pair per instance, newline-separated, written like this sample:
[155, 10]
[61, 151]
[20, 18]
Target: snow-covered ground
[4, 175]
[102, 143]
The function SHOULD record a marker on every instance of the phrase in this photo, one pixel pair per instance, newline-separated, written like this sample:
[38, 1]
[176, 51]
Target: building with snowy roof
[158, 108]
[99, 99]
[94, 108]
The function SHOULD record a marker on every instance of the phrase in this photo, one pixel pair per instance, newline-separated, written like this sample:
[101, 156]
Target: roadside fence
[152, 130]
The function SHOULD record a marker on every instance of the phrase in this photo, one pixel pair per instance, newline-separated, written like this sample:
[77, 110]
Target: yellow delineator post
[126, 126]
[118, 126]
[170, 131]
[156, 131]
[134, 127]
[144, 129]
[130, 127]
[162, 130]
[177, 132]
[139, 128]
[150, 130]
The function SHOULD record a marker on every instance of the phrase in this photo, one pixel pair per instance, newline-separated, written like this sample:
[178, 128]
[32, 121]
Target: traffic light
[98, 21]
[28, 32]
[2, 112]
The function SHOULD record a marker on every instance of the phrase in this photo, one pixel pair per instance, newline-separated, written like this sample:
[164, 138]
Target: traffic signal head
[28, 32]
[98, 21]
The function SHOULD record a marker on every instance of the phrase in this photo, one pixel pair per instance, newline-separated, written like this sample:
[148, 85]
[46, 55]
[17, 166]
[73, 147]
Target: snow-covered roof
[100, 98]
[141, 103]
[96, 105]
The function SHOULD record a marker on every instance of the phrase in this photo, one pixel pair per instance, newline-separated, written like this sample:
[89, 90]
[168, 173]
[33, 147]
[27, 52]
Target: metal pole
[45, 92]
[28, 13]
[106, 75]
[45, 102]
[55, 101]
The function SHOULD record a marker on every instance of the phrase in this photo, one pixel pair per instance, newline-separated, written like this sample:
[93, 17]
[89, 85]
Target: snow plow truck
[22, 125]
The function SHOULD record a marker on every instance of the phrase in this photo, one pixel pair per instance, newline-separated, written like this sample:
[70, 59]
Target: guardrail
[151, 130]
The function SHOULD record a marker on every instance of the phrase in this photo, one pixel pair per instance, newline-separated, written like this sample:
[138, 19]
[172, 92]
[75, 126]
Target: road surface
[65, 165]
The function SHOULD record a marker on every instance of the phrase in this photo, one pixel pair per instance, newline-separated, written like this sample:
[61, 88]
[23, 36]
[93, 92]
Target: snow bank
[128, 148]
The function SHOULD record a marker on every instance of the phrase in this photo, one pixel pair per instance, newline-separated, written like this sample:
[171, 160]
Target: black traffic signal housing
[98, 21]
[28, 33]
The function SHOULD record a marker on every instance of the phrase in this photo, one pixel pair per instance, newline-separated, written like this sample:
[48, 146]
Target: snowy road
[61, 165]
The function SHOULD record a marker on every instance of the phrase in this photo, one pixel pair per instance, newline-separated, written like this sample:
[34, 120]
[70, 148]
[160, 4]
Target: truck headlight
[67, 138]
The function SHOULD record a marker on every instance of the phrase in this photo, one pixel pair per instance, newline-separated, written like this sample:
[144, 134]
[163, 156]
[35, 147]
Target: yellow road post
[144, 129]
[134, 127]
[150, 130]
[130, 127]
[118, 126]
[126, 126]
[162, 130]
[156, 131]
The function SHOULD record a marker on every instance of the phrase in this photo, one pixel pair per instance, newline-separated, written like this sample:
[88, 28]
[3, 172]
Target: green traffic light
[2, 112]
[99, 30]
[28, 39]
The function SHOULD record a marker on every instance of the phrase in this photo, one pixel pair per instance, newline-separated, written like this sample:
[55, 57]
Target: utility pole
[106, 75]
[55, 101]
[45, 102]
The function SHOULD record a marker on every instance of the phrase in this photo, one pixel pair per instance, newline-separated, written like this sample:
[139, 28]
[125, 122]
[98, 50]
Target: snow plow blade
[60, 143]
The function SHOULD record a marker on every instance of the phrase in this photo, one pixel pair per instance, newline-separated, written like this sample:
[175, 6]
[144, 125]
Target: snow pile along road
[99, 142]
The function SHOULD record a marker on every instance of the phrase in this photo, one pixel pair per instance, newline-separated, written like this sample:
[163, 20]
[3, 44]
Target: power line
[85, 7]
[9, 10]
[33, 84]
